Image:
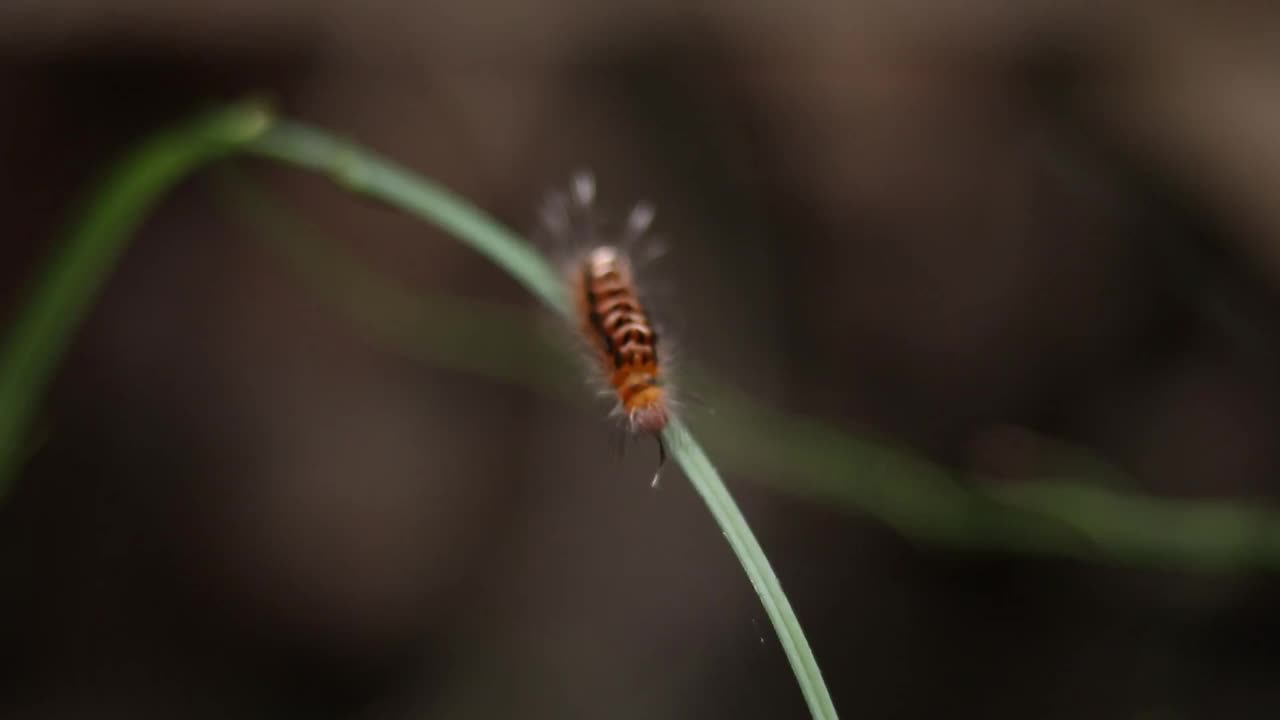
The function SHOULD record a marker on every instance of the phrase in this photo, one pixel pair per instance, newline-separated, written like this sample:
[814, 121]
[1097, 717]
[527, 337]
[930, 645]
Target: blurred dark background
[949, 224]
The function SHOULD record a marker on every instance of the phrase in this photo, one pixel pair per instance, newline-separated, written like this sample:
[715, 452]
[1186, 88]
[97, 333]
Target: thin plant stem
[76, 274]
[1074, 505]
[64, 291]
[361, 171]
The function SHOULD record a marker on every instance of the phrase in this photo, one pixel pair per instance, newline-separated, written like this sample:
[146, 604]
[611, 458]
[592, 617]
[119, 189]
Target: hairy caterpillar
[608, 311]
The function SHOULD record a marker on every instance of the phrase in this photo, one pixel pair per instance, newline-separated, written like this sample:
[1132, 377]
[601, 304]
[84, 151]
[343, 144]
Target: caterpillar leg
[662, 460]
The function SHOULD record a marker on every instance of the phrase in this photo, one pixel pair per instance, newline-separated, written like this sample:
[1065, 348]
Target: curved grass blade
[363, 172]
[70, 282]
[1077, 507]
[706, 480]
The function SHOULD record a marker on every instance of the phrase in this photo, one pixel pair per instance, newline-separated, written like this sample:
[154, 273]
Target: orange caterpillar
[609, 313]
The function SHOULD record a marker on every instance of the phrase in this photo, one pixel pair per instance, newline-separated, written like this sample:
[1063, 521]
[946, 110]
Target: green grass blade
[71, 281]
[368, 174]
[460, 335]
[363, 172]
[706, 480]
[1077, 506]
[442, 331]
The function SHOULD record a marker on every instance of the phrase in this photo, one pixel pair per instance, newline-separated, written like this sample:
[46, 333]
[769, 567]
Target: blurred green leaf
[1078, 507]
[76, 274]
[66, 288]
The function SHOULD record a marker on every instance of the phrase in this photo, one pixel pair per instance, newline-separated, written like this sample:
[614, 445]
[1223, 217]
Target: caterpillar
[610, 316]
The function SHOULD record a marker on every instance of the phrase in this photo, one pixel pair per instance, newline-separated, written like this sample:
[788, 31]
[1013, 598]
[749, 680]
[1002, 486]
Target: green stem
[363, 172]
[75, 274]
[1074, 505]
[706, 480]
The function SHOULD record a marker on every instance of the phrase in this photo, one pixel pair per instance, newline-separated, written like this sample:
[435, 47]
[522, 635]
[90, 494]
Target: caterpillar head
[649, 419]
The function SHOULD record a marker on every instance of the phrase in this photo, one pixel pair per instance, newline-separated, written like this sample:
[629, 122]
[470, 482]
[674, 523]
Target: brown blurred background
[936, 222]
